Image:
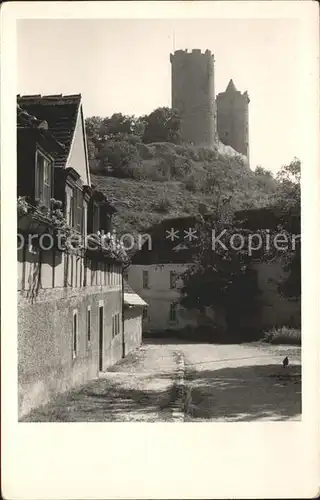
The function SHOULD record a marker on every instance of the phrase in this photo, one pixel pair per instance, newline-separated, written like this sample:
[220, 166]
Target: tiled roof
[32, 125]
[24, 119]
[60, 112]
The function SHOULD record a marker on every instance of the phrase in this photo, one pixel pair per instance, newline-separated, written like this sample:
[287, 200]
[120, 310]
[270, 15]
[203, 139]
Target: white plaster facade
[78, 157]
[158, 285]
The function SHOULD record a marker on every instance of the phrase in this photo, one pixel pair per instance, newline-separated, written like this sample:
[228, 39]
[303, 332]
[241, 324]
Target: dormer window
[43, 184]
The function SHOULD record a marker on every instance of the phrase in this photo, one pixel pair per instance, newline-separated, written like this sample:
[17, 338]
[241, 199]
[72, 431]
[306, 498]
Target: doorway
[100, 338]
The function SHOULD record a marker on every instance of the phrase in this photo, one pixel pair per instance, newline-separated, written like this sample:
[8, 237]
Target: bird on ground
[285, 362]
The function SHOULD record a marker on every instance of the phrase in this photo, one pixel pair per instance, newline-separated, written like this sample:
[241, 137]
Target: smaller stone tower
[233, 119]
[193, 95]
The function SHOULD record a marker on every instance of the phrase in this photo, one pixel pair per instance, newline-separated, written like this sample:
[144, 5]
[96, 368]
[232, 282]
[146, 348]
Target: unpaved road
[167, 381]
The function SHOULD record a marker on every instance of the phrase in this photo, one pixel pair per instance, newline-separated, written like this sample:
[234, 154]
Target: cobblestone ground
[167, 381]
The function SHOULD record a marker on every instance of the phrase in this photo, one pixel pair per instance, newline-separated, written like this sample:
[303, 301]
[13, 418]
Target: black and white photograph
[159, 166]
[158, 239]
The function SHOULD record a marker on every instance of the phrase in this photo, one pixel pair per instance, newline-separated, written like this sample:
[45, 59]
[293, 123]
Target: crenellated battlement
[193, 52]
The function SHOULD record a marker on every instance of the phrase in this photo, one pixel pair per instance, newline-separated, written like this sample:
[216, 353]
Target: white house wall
[78, 156]
[159, 296]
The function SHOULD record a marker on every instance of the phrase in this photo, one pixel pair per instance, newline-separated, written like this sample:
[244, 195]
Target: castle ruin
[206, 120]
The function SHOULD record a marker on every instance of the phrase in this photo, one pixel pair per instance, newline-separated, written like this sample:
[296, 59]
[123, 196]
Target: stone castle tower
[193, 95]
[206, 119]
[233, 119]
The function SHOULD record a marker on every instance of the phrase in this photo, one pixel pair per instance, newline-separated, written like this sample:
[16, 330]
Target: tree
[263, 171]
[162, 125]
[289, 190]
[288, 199]
[121, 126]
[221, 275]
[93, 128]
[94, 142]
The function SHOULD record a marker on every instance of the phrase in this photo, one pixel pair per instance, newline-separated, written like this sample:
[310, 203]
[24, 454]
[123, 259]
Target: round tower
[233, 119]
[193, 95]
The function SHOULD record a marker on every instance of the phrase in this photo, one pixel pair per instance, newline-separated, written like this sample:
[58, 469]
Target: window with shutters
[43, 181]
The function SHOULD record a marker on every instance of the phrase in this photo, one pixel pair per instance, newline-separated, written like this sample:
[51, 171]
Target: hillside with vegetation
[147, 172]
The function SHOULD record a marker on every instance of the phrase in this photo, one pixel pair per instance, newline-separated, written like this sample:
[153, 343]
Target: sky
[121, 65]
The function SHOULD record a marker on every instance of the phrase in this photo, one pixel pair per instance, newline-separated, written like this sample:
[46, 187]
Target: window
[173, 312]
[78, 209]
[69, 205]
[118, 323]
[96, 218]
[172, 279]
[43, 184]
[85, 219]
[115, 325]
[105, 273]
[74, 208]
[89, 324]
[75, 334]
[109, 274]
[145, 279]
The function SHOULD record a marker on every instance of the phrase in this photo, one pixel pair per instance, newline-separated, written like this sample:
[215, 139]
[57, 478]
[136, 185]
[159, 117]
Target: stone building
[155, 273]
[70, 298]
[193, 95]
[133, 312]
[233, 119]
[207, 121]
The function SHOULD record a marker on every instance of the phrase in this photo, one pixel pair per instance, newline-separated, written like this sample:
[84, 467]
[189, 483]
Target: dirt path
[140, 388]
[243, 382]
[175, 381]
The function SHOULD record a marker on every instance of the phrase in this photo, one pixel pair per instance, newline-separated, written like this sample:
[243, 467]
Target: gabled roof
[60, 112]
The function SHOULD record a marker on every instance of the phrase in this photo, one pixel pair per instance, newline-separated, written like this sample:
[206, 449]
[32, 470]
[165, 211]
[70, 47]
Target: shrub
[283, 335]
[121, 157]
[145, 151]
[162, 206]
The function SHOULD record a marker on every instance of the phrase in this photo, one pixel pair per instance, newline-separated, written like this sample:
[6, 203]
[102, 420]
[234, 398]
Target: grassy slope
[141, 203]
[136, 201]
